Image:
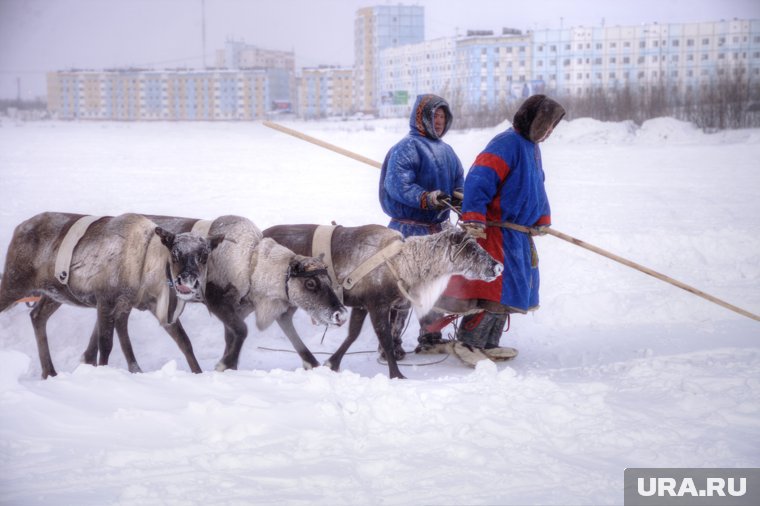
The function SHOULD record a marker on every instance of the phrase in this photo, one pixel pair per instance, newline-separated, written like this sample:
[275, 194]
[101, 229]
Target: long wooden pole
[314, 140]
[550, 231]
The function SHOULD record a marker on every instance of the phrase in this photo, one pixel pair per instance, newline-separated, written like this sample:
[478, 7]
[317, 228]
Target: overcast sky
[37, 36]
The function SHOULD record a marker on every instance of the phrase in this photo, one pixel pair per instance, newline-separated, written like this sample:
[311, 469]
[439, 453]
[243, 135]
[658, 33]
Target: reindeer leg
[285, 321]
[90, 355]
[235, 332]
[186, 347]
[105, 325]
[358, 314]
[126, 343]
[381, 321]
[40, 315]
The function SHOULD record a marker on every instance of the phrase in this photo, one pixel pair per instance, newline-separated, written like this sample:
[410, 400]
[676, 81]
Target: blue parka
[420, 163]
[506, 184]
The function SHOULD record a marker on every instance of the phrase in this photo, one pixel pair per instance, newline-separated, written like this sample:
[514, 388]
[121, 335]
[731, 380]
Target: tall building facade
[408, 69]
[325, 91]
[377, 28]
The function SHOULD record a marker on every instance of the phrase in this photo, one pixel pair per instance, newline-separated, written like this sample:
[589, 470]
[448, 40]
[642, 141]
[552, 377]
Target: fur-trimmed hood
[536, 116]
[421, 119]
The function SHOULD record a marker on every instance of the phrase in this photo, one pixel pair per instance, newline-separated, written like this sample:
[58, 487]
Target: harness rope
[379, 361]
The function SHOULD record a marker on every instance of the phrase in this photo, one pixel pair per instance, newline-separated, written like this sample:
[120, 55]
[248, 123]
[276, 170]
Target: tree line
[722, 104]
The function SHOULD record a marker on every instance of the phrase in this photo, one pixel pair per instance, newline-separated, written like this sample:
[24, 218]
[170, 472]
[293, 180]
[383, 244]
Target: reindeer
[113, 264]
[398, 271]
[246, 274]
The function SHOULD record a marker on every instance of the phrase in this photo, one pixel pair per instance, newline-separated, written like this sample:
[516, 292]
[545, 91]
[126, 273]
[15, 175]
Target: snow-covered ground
[616, 370]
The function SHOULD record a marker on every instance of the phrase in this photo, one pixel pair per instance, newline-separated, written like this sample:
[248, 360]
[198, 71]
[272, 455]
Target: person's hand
[540, 230]
[476, 230]
[436, 200]
[456, 199]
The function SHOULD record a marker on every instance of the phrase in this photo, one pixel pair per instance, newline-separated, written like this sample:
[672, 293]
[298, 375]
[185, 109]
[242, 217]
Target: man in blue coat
[505, 204]
[421, 171]
[420, 174]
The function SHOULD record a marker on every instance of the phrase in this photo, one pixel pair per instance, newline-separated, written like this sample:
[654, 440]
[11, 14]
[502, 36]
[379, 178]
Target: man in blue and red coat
[505, 204]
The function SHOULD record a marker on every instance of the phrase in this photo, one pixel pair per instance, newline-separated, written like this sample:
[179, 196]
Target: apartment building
[375, 29]
[280, 66]
[685, 56]
[325, 91]
[406, 69]
[137, 94]
[488, 68]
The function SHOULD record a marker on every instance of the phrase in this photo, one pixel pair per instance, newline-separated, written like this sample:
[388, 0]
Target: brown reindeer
[248, 274]
[416, 271]
[113, 264]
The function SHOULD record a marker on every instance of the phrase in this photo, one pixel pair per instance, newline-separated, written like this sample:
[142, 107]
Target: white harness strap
[66, 249]
[164, 294]
[321, 244]
[164, 297]
[372, 263]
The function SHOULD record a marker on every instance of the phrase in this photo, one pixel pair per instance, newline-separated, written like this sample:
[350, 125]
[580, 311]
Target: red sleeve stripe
[543, 220]
[471, 216]
[494, 162]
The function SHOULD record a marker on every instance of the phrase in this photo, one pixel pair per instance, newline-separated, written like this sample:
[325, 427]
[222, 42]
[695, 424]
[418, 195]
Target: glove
[476, 230]
[456, 199]
[436, 200]
[540, 230]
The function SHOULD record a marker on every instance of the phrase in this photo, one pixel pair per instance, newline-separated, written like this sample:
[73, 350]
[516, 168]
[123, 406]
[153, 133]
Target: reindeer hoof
[398, 352]
[134, 368]
[334, 366]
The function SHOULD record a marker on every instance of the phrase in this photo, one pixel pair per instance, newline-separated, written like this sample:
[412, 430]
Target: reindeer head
[308, 286]
[187, 265]
[469, 258]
